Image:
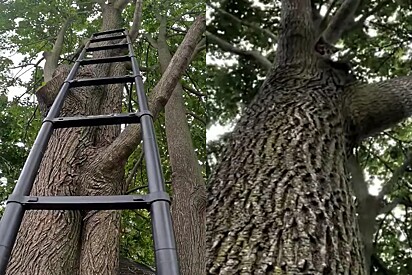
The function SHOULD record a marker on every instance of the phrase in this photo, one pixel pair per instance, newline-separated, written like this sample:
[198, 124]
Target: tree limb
[134, 170]
[52, 58]
[340, 21]
[199, 47]
[193, 91]
[137, 19]
[150, 39]
[256, 27]
[196, 117]
[226, 46]
[327, 15]
[377, 106]
[127, 141]
[388, 186]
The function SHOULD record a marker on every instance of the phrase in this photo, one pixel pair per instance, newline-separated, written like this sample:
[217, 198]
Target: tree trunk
[74, 242]
[279, 200]
[189, 189]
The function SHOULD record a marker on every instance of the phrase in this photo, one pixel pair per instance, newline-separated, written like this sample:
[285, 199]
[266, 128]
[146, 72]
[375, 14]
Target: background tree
[78, 242]
[279, 198]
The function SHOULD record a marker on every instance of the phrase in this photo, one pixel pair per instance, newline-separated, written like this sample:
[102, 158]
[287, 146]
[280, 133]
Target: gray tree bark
[280, 201]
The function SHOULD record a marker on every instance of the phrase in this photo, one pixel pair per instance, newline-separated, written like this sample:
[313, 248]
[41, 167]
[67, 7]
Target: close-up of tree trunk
[280, 197]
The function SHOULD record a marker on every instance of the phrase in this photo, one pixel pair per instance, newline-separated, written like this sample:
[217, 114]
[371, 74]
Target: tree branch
[296, 33]
[340, 21]
[132, 173]
[359, 184]
[52, 58]
[327, 15]
[150, 39]
[361, 20]
[137, 19]
[256, 27]
[127, 141]
[377, 106]
[193, 91]
[199, 47]
[196, 117]
[226, 46]
[121, 4]
[388, 186]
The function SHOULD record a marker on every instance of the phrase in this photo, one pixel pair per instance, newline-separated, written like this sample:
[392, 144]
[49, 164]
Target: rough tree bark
[78, 162]
[280, 201]
[189, 188]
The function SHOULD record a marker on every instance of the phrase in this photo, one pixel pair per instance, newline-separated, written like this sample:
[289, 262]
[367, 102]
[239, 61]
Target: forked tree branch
[342, 19]
[137, 19]
[127, 141]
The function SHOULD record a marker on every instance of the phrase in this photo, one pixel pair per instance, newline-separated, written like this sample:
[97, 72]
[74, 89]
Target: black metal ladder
[157, 201]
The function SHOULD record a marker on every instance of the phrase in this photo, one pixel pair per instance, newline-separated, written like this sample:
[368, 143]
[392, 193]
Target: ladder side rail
[14, 211]
[162, 228]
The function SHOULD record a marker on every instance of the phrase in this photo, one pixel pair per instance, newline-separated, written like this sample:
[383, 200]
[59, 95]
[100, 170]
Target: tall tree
[280, 199]
[91, 161]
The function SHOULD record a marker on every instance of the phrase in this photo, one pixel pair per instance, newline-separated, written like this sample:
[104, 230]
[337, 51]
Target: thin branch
[193, 91]
[327, 15]
[134, 170]
[196, 117]
[137, 19]
[256, 27]
[388, 207]
[226, 46]
[199, 47]
[151, 40]
[379, 158]
[388, 186]
[340, 21]
[136, 188]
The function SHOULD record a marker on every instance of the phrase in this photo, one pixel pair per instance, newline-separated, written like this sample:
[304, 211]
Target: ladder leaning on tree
[157, 200]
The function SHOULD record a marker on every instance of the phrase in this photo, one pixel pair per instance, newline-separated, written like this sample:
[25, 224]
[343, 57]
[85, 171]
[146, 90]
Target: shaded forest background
[242, 45]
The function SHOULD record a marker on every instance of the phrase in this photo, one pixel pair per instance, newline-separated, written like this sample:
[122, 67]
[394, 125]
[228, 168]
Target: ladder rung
[105, 60]
[66, 122]
[108, 32]
[120, 36]
[85, 202]
[100, 81]
[107, 47]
